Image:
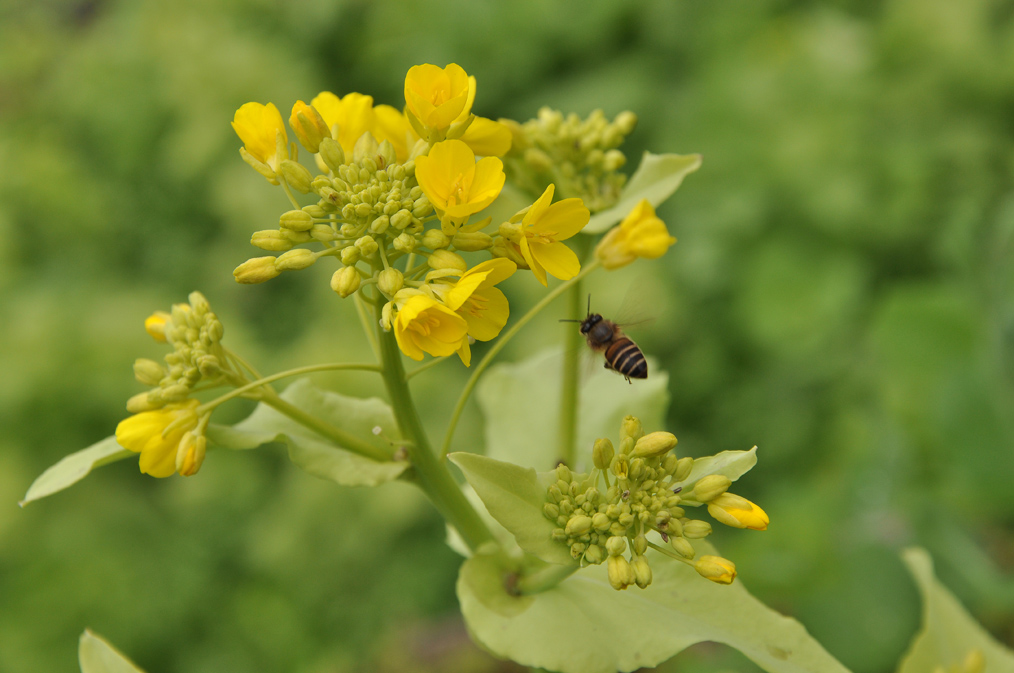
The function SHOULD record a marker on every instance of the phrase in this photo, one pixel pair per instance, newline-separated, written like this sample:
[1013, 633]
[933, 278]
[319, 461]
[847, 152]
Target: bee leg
[629, 382]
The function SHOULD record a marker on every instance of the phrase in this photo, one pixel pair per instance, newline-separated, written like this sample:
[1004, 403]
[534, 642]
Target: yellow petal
[486, 313]
[487, 138]
[465, 352]
[257, 126]
[563, 219]
[392, 126]
[558, 260]
[541, 205]
[537, 270]
[437, 96]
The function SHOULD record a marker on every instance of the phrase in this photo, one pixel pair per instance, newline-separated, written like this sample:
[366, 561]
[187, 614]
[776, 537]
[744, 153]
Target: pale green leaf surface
[658, 176]
[521, 405]
[514, 496]
[97, 656]
[732, 464]
[75, 467]
[585, 626]
[310, 451]
[948, 632]
[503, 537]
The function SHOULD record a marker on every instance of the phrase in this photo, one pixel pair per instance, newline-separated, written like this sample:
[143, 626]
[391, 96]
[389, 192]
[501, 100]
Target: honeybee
[621, 353]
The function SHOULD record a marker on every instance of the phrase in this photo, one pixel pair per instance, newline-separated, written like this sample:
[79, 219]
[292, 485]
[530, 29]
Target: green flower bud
[654, 445]
[695, 530]
[621, 575]
[256, 270]
[616, 545]
[620, 466]
[594, 555]
[345, 281]
[350, 255]
[566, 505]
[142, 402]
[642, 571]
[296, 237]
[511, 231]
[662, 519]
[683, 468]
[636, 469]
[472, 241]
[507, 250]
[365, 148]
[367, 246]
[716, 569]
[682, 546]
[323, 233]
[271, 239]
[332, 154]
[297, 220]
[559, 535]
[386, 152]
[538, 160]
[675, 527]
[626, 520]
[421, 207]
[625, 122]
[209, 365]
[296, 175]
[710, 487]
[294, 260]
[315, 211]
[578, 525]
[401, 219]
[380, 225]
[445, 259]
[640, 544]
[614, 160]
[577, 550]
[551, 511]
[148, 372]
[390, 281]
[563, 473]
[554, 493]
[631, 427]
[600, 521]
[174, 393]
[404, 243]
[602, 453]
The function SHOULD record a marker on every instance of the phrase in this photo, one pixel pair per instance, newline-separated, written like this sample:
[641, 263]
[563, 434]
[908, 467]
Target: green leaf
[313, 453]
[732, 464]
[583, 625]
[514, 496]
[658, 176]
[948, 632]
[75, 467]
[97, 656]
[521, 405]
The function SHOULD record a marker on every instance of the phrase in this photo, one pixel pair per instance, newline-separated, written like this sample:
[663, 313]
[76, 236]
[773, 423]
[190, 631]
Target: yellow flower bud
[682, 546]
[445, 259]
[351, 255]
[404, 243]
[308, 126]
[654, 444]
[294, 260]
[472, 241]
[271, 239]
[578, 525]
[190, 454]
[141, 402]
[696, 530]
[148, 372]
[380, 224]
[640, 234]
[345, 281]
[434, 239]
[602, 453]
[642, 571]
[332, 154]
[155, 325]
[390, 281]
[594, 554]
[683, 468]
[621, 575]
[296, 175]
[323, 233]
[435, 97]
[297, 220]
[710, 487]
[620, 466]
[616, 545]
[631, 427]
[367, 246]
[738, 512]
[716, 569]
[256, 270]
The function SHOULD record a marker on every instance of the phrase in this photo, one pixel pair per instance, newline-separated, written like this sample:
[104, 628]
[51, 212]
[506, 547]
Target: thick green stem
[545, 579]
[323, 428]
[498, 346]
[570, 391]
[433, 475]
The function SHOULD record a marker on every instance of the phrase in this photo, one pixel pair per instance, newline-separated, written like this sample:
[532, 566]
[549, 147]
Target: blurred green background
[842, 295]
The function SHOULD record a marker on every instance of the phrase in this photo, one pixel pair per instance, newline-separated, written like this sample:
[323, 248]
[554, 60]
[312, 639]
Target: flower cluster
[395, 197]
[580, 155]
[166, 427]
[646, 489]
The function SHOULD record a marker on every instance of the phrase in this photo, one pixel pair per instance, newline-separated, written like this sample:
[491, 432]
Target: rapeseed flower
[424, 325]
[455, 183]
[543, 227]
[157, 434]
[260, 127]
[437, 96]
[738, 512]
[640, 234]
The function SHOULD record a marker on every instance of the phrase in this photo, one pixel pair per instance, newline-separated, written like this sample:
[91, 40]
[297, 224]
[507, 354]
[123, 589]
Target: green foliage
[97, 656]
[74, 467]
[585, 626]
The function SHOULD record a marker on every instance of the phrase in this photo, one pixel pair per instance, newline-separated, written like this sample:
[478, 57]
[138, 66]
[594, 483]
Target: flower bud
[507, 250]
[296, 175]
[190, 453]
[625, 122]
[640, 544]
[148, 372]
[696, 530]
[297, 220]
[683, 468]
[404, 243]
[642, 571]
[551, 511]
[716, 569]
[682, 546]
[578, 525]
[620, 466]
[155, 325]
[631, 427]
[390, 281]
[434, 239]
[142, 402]
[271, 239]
[675, 527]
[332, 154]
[367, 246]
[296, 237]
[654, 444]
[710, 487]
[621, 575]
[602, 453]
[256, 270]
[401, 219]
[308, 126]
[294, 260]
[386, 316]
[345, 281]
[386, 152]
[627, 446]
[738, 512]
[511, 231]
[350, 255]
[636, 468]
[445, 259]
[616, 545]
[323, 233]
[472, 241]
[594, 554]
[538, 160]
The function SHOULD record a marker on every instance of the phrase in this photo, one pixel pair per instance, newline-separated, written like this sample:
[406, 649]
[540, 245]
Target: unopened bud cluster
[195, 333]
[643, 481]
[580, 156]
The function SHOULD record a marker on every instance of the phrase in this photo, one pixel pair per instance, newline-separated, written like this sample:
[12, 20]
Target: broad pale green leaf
[514, 496]
[658, 176]
[97, 656]
[585, 626]
[732, 464]
[75, 467]
[503, 537]
[521, 405]
[313, 453]
[948, 633]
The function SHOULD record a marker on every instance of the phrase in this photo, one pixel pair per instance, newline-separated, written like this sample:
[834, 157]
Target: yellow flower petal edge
[455, 184]
[438, 96]
[258, 125]
[543, 227]
[145, 433]
[738, 512]
[424, 325]
[640, 234]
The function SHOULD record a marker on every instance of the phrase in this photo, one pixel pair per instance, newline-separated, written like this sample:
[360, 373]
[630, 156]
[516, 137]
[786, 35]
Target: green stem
[545, 579]
[498, 346]
[670, 553]
[364, 320]
[325, 429]
[334, 366]
[420, 370]
[434, 477]
[569, 391]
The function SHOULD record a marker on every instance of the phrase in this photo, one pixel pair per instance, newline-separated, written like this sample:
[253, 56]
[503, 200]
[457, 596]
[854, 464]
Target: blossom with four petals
[640, 234]
[145, 433]
[455, 183]
[543, 227]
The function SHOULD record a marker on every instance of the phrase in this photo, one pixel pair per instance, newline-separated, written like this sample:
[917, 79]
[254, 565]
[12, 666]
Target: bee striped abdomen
[625, 357]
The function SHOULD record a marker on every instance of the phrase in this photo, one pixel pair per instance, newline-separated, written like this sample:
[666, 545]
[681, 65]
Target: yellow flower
[258, 127]
[309, 127]
[488, 138]
[423, 324]
[155, 325]
[473, 297]
[455, 184]
[438, 96]
[190, 454]
[354, 115]
[392, 125]
[145, 433]
[640, 234]
[717, 569]
[732, 510]
[543, 227]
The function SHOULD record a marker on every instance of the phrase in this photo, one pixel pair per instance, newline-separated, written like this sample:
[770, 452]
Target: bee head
[589, 323]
